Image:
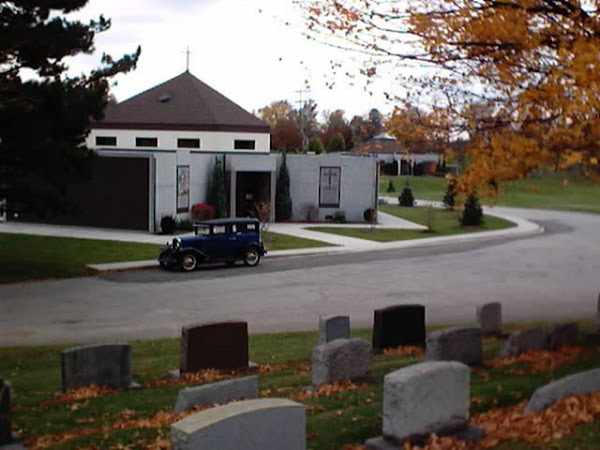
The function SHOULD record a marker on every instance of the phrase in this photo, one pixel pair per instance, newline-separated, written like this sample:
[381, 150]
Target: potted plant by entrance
[202, 211]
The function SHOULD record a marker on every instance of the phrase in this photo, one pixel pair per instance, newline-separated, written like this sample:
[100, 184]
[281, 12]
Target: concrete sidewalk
[340, 244]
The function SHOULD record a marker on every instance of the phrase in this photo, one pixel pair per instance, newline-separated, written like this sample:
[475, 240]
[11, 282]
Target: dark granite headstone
[220, 346]
[399, 325]
[561, 334]
[101, 364]
[5, 432]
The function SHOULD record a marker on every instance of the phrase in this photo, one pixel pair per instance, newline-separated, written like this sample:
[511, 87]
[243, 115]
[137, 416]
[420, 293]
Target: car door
[220, 244]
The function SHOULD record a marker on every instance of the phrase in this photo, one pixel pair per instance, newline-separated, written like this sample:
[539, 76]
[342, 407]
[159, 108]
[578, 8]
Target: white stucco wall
[210, 141]
[358, 184]
[166, 157]
[358, 179]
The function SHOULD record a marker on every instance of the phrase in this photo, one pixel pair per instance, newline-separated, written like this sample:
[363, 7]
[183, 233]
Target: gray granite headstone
[333, 327]
[101, 364]
[489, 317]
[266, 423]
[220, 392]
[422, 399]
[340, 360]
[455, 344]
[523, 340]
[5, 414]
[582, 383]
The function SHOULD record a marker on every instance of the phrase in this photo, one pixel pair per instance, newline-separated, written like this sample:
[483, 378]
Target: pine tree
[45, 118]
[337, 144]
[316, 146]
[450, 196]
[406, 198]
[217, 197]
[472, 214]
[283, 200]
[391, 187]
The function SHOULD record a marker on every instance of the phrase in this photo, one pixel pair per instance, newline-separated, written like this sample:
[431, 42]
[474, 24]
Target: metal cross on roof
[187, 59]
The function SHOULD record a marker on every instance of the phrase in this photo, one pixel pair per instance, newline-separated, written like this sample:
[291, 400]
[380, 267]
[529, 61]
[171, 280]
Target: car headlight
[176, 244]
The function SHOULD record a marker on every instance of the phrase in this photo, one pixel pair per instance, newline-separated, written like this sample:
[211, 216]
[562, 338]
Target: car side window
[202, 231]
[252, 227]
[218, 229]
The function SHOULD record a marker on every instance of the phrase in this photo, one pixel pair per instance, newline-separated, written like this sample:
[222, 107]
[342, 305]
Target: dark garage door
[116, 196]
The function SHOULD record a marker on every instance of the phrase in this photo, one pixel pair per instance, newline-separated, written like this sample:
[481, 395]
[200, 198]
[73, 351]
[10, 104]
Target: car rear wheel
[189, 262]
[251, 257]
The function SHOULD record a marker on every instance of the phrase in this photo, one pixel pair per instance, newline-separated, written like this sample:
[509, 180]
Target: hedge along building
[158, 149]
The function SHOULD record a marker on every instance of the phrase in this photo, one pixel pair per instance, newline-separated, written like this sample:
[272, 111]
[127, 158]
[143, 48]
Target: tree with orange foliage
[521, 78]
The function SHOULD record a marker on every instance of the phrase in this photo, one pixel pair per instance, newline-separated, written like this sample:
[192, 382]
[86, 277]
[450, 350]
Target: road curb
[523, 228]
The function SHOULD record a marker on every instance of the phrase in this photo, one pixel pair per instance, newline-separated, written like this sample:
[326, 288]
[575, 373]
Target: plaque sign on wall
[183, 188]
[329, 187]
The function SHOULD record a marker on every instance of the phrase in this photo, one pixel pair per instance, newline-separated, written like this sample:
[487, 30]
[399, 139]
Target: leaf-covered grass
[548, 191]
[348, 416]
[26, 257]
[442, 222]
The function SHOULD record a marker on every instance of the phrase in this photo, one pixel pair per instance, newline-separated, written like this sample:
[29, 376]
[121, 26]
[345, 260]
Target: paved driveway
[555, 275]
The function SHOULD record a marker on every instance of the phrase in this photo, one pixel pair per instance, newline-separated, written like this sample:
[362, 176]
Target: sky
[241, 48]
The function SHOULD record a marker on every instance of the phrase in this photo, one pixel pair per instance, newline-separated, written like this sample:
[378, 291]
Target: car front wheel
[251, 257]
[189, 262]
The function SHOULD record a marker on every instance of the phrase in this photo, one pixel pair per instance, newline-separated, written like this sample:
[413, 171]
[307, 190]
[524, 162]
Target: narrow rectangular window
[146, 142]
[329, 187]
[241, 144]
[106, 140]
[183, 188]
[188, 143]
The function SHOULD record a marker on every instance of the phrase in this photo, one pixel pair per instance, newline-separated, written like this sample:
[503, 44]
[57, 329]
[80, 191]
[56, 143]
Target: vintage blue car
[218, 240]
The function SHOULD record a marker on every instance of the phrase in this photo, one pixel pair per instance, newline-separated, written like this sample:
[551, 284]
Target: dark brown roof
[182, 103]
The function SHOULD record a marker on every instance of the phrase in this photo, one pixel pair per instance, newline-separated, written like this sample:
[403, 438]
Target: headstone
[101, 364]
[267, 423]
[333, 327]
[582, 383]
[341, 359]
[598, 315]
[455, 344]
[520, 341]
[398, 325]
[593, 337]
[5, 417]
[220, 392]
[561, 334]
[221, 346]
[425, 398]
[489, 317]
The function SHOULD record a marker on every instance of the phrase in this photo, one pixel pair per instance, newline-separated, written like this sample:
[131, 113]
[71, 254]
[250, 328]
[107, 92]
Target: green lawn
[346, 417]
[443, 223]
[551, 191]
[276, 241]
[27, 257]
